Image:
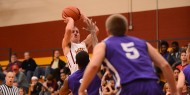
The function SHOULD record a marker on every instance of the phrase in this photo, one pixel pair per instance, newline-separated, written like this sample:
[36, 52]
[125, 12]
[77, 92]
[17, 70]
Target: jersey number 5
[131, 51]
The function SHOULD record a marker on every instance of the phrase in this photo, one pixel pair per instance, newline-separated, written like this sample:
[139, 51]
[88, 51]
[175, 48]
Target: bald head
[9, 78]
[9, 74]
[116, 25]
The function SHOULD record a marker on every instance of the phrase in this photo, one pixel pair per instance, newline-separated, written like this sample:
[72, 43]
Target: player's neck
[76, 42]
[80, 68]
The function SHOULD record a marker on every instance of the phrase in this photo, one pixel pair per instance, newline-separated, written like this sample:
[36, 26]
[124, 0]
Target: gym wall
[37, 24]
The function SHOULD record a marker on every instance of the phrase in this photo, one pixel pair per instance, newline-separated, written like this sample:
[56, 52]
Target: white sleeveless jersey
[71, 60]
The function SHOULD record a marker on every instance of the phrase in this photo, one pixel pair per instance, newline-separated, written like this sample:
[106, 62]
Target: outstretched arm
[164, 66]
[91, 39]
[93, 67]
[67, 35]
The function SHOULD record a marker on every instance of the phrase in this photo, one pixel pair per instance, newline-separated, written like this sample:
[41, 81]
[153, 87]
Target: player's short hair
[82, 59]
[116, 24]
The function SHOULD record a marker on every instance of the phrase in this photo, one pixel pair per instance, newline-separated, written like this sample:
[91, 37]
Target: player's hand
[91, 26]
[83, 17]
[67, 19]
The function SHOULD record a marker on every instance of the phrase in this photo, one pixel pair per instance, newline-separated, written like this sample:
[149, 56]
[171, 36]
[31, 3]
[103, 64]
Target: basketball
[72, 12]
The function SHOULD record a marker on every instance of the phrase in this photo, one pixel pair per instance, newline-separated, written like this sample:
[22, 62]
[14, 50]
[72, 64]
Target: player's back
[130, 59]
[186, 72]
[75, 80]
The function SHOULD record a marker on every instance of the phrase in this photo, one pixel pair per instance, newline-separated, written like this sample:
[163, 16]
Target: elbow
[95, 67]
[165, 67]
[68, 29]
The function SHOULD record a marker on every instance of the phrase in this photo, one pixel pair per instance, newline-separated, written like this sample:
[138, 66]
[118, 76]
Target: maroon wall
[174, 24]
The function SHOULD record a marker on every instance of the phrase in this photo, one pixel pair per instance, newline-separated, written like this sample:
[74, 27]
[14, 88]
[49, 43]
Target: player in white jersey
[71, 42]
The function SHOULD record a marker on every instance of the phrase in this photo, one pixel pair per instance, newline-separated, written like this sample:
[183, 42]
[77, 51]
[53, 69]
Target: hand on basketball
[67, 19]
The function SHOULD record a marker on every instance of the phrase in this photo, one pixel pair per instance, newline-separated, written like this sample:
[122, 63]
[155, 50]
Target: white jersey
[74, 49]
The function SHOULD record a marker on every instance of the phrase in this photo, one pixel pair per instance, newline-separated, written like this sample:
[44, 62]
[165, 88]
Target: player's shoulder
[135, 38]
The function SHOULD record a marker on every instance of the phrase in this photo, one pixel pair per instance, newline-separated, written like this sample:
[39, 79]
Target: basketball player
[71, 42]
[184, 74]
[130, 60]
[74, 80]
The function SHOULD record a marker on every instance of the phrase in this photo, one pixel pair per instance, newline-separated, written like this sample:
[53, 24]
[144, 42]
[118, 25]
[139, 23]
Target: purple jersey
[128, 59]
[75, 80]
[186, 72]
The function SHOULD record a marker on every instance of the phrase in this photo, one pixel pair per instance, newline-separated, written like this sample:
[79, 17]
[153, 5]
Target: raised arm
[93, 67]
[159, 61]
[91, 39]
[67, 35]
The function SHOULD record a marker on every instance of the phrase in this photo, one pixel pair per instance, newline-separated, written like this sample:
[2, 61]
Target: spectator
[20, 78]
[174, 56]
[49, 86]
[8, 88]
[39, 72]
[35, 86]
[164, 49]
[185, 90]
[14, 60]
[108, 84]
[2, 75]
[176, 73]
[184, 61]
[64, 73]
[166, 88]
[21, 91]
[55, 66]
[28, 66]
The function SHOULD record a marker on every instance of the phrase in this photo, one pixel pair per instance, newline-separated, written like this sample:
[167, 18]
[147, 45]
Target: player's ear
[108, 33]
